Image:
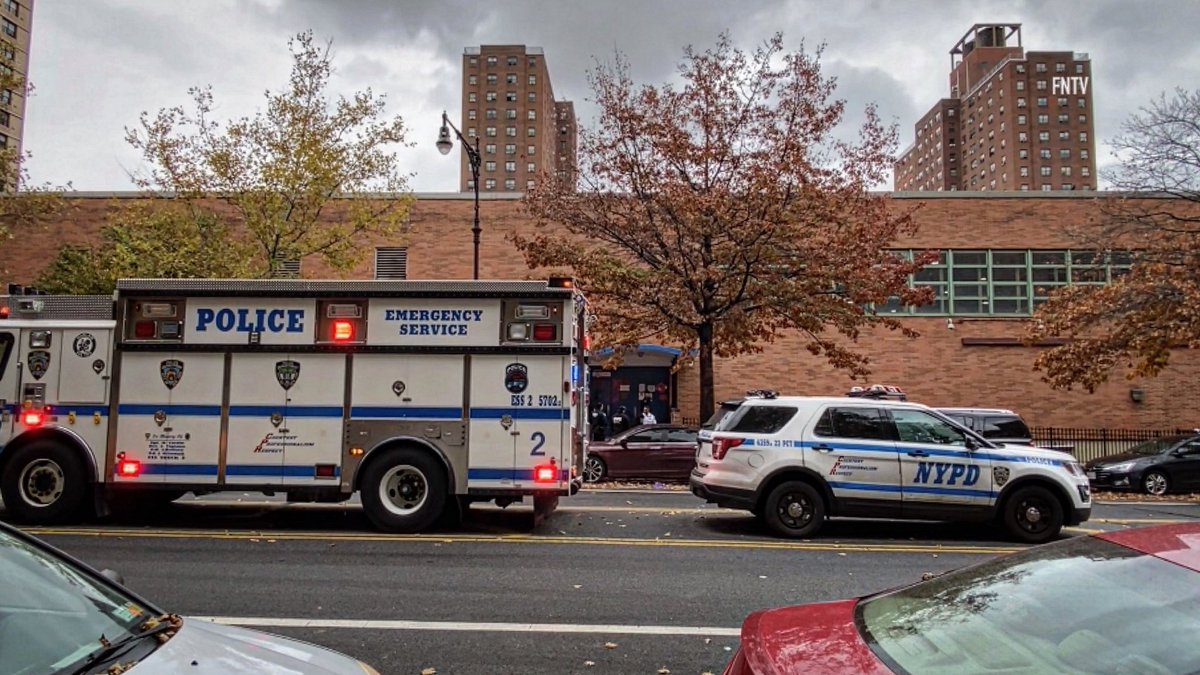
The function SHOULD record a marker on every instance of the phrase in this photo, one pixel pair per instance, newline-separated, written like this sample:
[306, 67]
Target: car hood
[1118, 458]
[1034, 452]
[819, 639]
[204, 648]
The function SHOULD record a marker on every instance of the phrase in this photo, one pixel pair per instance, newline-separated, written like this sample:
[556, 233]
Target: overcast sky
[96, 64]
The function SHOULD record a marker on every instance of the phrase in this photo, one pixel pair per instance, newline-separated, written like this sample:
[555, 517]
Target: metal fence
[1088, 444]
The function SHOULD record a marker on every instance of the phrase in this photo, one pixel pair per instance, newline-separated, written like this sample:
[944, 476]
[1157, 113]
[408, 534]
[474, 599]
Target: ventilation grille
[391, 262]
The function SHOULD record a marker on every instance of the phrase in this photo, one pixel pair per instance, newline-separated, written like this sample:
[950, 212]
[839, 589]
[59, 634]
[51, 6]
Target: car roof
[1178, 543]
[839, 400]
[984, 411]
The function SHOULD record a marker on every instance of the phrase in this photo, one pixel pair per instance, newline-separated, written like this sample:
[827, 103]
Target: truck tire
[1033, 515]
[404, 490]
[794, 509]
[45, 483]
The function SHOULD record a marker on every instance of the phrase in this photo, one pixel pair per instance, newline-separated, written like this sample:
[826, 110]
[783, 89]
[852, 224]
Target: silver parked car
[59, 616]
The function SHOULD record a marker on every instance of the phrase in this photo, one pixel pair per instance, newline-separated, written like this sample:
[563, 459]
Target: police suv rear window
[759, 419]
[720, 414]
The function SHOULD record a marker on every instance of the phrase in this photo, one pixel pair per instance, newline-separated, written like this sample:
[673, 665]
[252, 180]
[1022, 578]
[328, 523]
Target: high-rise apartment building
[1014, 120]
[508, 104]
[16, 20]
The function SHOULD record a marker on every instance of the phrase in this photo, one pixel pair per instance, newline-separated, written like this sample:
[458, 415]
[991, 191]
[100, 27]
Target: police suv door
[852, 447]
[937, 468]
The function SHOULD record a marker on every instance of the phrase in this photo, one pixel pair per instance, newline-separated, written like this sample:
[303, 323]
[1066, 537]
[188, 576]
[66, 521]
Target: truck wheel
[404, 490]
[45, 483]
[794, 509]
[1033, 515]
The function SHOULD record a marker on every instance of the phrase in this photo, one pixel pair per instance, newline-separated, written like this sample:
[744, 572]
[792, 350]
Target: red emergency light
[129, 468]
[545, 473]
[343, 330]
[545, 332]
[33, 418]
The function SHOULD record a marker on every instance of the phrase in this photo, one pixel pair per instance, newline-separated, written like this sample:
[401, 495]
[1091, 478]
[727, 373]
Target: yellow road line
[270, 537]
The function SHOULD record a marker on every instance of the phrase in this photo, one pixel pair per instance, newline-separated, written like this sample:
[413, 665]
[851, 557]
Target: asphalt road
[662, 578]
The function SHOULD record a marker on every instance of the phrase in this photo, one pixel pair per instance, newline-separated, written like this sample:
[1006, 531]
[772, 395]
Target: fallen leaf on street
[842, 554]
[578, 585]
[589, 664]
[762, 576]
[707, 641]
[610, 645]
[663, 671]
[429, 671]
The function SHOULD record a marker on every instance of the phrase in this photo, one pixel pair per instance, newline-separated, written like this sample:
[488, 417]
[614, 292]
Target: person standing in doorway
[599, 423]
[621, 421]
[648, 417]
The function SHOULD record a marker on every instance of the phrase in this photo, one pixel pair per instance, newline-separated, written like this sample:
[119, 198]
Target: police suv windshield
[52, 615]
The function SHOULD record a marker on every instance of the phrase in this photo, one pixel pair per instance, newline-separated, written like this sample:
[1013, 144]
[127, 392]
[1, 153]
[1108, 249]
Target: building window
[1081, 102]
[1047, 187]
[471, 132]
[531, 132]
[510, 184]
[531, 96]
[491, 96]
[1042, 102]
[10, 28]
[5, 119]
[510, 167]
[391, 262]
[474, 60]
[510, 78]
[1083, 119]
[1045, 171]
[1022, 154]
[1043, 136]
[1063, 102]
[1024, 171]
[1064, 118]
[1023, 137]
[1022, 119]
[1020, 67]
[490, 114]
[1064, 135]
[1078, 68]
[471, 97]
[531, 114]
[510, 114]
[13, 7]
[1068, 186]
[491, 60]
[1040, 67]
[1064, 153]
[512, 60]
[510, 96]
[1041, 85]
[1083, 153]
[471, 114]
[510, 149]
[950, 112]
[491, 132]
[1024, 187]
[1085, 171]
[489, 167]
[489, 184]
[491, 79]
[530, 167]
[1044, 153]
[1060, 67]
[1020, 102]
[1020, 85]
[533, 62]
[489, 149]
[1064, 170]
[470, 185]
[532, 80]
[472, 80]
[530, 150]
[510, 131]
[1043, 119]
[10, 52]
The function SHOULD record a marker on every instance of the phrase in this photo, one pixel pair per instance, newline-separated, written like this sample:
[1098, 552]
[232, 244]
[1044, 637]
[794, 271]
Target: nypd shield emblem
[171, 371]
[39, 363]
[1000, 475]
[516, 378]
[287, 372]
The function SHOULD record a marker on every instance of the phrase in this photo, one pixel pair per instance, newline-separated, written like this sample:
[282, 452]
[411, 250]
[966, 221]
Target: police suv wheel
[1156, 483]
[44, 483]
[1033, 515]
[594, 469]
[794, 509]
[404, 490]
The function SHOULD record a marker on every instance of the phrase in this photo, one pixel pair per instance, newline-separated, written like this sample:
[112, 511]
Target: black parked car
[1170, 464]
[999, 426]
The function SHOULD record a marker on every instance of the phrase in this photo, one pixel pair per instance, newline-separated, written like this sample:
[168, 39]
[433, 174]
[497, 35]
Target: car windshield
[1157, 446]
[52, 615]
[1080, 606]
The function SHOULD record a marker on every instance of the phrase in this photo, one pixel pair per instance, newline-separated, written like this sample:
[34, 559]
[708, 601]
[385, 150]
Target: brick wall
[935, 368]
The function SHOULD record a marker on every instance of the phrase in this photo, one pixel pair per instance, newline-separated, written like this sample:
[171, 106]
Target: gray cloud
[97, 64]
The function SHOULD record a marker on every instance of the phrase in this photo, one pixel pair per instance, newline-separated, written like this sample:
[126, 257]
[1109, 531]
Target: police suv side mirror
[971, 443]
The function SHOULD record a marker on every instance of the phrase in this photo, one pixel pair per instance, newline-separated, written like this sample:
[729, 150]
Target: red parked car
[662, 451]
[1116, 602]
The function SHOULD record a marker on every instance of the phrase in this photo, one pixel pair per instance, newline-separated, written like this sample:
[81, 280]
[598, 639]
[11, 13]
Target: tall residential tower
[508, 105]
[16, 20]
[1014, 120]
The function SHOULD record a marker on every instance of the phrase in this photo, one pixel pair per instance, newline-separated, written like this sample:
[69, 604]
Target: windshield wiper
[150, 627]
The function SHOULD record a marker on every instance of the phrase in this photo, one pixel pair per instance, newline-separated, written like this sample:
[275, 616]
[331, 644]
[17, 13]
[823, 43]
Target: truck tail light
[545, 473]
[720, 446]
[143, 330]
[343, 330]
[544, 332]
[129, 468]
[33, 418]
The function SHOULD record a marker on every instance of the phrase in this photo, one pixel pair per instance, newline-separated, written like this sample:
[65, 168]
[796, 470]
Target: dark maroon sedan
[662, 451]
[1115, 602]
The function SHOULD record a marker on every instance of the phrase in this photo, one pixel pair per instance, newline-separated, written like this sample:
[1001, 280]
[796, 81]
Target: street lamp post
[444, 145]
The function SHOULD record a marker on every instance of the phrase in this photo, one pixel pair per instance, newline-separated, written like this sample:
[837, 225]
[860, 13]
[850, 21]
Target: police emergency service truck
[795, 460]
[413, 393]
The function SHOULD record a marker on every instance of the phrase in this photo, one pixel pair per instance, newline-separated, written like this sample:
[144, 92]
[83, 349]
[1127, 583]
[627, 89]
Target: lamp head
[444, 144]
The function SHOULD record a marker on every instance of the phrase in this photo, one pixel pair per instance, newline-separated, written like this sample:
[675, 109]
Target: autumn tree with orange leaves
[1132, 324]
[722, 212]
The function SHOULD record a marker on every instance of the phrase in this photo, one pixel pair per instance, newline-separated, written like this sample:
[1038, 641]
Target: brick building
[1014, 120]
[1003, 253]
[508, 105]
[16, 22]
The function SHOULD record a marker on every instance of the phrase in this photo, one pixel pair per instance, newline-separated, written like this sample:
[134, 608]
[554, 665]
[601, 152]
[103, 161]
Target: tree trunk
[707, 406]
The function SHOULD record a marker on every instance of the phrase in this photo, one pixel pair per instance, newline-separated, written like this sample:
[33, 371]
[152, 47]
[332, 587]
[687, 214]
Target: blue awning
[650, 349]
